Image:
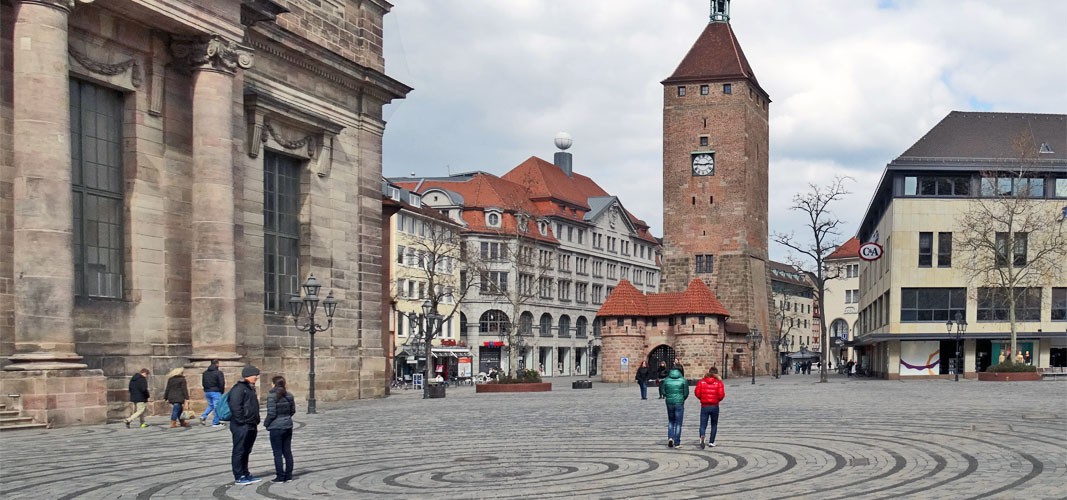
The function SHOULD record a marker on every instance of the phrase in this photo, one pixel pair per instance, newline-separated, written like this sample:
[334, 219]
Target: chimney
[562, 158]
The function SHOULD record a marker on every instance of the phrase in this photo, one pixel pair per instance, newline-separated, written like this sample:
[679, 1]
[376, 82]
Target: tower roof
[627, 300]
[716, 56]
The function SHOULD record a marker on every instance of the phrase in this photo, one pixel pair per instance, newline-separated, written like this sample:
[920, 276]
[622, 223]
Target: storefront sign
[463, 367]
[870, 251]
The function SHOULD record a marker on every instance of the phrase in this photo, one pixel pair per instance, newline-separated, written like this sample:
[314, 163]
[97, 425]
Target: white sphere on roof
[563, 140]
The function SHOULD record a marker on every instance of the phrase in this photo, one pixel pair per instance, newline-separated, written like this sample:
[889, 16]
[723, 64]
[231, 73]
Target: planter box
[1009, 376]
[582, 384]
[435, 391]
[531, 387]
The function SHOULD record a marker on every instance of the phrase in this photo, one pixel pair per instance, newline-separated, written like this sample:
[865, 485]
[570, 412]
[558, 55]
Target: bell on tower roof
[720, 11]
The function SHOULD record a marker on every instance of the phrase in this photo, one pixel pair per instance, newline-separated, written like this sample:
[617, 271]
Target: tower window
[704, 89]
[681, 91]
[704, 263]
[694, 200]
[704, 141]
[727, 88]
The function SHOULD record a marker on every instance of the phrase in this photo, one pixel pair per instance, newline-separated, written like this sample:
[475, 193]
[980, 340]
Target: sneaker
[203, 421]
[678, 446]
[711, 445]
[702, 443]
[217, 425]
[127, 422]
[670, 443]
[144, 426]
[278, 479]
[247, 480]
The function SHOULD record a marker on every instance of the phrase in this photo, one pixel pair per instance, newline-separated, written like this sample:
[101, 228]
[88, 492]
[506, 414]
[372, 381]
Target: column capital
[211, 53]
[64, 5]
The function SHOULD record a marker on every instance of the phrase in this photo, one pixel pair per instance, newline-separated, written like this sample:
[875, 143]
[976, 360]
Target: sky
[853, 84]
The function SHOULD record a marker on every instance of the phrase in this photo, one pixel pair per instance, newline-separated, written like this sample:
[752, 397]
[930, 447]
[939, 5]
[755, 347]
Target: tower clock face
[704, 164]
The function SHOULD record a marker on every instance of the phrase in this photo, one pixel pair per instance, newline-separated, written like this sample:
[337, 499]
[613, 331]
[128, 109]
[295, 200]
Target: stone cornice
[212, 53]
[314, 58]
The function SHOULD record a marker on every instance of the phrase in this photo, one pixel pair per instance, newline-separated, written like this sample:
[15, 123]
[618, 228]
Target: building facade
[938, 212]
[794, 318]
[544, 247]
[842, 297]
[174, 171]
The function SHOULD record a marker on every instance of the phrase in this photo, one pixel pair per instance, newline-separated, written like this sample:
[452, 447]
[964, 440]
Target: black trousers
[244, 436]
[281, 443]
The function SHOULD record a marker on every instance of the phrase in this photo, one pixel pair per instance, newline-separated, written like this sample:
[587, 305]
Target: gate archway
[663, 353]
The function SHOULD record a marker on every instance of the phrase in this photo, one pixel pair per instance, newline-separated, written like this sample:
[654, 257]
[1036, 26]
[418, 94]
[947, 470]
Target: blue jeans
[644, 389]
[709, 412]
[674, 421]
[212, 400]
[176, 411]
[281, 444]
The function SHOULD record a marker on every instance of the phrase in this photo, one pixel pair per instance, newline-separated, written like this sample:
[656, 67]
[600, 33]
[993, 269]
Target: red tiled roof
[715, 56]
[626, 300]
[849, 249]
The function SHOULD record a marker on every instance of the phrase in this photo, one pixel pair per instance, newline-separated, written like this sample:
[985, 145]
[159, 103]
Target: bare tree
[824, 237]
[1010, 238]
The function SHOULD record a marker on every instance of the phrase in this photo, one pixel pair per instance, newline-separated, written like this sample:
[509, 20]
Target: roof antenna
[413, 174]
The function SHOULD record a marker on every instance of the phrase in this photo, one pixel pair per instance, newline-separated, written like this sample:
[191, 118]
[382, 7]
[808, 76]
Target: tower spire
[720, 11]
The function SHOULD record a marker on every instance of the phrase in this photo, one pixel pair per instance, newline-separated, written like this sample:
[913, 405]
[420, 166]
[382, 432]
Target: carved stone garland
[308, 140]
[106, 69]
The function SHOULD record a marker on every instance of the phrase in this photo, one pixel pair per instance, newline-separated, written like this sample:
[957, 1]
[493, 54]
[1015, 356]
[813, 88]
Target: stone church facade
[171, 172]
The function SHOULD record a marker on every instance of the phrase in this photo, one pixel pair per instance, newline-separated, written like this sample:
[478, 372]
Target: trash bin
[435, 390]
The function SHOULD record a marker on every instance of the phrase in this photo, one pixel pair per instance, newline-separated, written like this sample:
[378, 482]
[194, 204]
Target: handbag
[188, 415]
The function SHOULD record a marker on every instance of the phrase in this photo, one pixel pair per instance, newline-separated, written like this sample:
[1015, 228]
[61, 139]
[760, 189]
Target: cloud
[853, 84]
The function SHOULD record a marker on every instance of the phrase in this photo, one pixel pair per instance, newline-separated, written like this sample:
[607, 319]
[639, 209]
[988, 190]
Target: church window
[97, 178]
[727, 88]
[704, 90]
[281, 230]
[681, 91]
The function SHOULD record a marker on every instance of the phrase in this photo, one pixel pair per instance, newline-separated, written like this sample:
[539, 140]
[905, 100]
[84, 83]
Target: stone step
[15, 421]
[19, 427]
[8, 413]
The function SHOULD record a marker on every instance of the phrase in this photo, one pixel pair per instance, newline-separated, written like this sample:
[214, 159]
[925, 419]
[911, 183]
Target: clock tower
[715, 146]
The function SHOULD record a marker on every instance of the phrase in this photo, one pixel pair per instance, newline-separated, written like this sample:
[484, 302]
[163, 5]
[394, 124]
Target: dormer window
[415, 200]
[542, 226]
[492, 219]
[523, 223]
[1045, 149]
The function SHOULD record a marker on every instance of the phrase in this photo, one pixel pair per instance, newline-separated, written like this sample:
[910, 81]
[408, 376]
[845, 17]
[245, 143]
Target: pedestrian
[678, 366]
[661, 375]
[675, 390]
[244, 411]
[849, 366]
[642, 378]
[710, 391]
[214, 383]
[280, 410]
[177, 394]
[138, 396]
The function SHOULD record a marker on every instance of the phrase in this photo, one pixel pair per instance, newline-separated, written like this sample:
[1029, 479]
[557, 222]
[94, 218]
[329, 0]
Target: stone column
[213, 62]
[43, 219]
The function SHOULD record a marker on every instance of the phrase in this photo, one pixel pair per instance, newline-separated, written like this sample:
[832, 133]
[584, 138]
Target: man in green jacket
[676, 390]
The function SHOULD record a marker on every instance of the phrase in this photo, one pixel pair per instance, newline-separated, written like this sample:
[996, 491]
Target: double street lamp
[754, 339]
[426, 334]
[311, 303]
[961, 328]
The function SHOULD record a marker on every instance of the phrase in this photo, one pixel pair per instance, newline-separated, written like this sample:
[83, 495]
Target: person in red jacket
[710, 392]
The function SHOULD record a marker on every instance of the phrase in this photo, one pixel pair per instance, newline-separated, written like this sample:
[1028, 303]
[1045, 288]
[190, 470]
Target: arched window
[526, 323]
[581, 327]
[462, 325]
[564, 326]
[839, 329]
[546, 325]
[493, 322]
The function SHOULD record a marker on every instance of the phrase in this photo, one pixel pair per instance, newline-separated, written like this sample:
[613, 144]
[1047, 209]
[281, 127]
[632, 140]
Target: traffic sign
[625, 361]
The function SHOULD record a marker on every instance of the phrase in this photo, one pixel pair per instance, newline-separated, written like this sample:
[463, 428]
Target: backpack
[222, 408]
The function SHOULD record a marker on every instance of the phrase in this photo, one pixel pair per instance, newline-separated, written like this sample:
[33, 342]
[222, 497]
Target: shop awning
[453, 352]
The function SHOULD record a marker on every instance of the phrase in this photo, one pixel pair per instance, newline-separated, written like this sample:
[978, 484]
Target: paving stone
[791, 437]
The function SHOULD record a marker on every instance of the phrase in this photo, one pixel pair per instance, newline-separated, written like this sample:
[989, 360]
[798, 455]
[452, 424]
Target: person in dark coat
[138, 396]
[214, 383]
[244, 418]
[675, 390]
[177, 394]
[280, 410]
[642, 377]
[661, 375]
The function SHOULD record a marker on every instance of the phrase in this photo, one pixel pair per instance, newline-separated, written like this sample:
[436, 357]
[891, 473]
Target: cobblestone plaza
[787, 438]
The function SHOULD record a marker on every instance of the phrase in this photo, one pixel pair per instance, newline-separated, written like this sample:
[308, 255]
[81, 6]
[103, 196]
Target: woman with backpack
[280, 410]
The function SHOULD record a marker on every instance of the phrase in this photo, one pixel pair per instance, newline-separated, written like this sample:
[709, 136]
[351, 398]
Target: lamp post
[429, 312]
[780, 343]
[961, 328]
[311, 303]
[754, 338]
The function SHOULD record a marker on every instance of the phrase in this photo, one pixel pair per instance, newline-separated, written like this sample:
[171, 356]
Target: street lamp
[961, 328]
[311, 303]
[780, 343]
[754, 338]
[429, 311]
